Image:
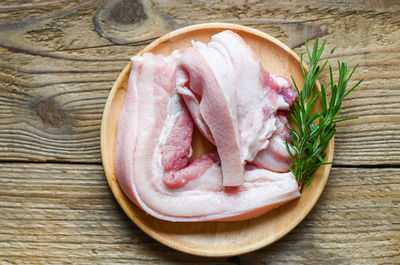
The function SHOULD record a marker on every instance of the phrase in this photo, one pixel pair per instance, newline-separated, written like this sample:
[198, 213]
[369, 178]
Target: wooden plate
[216, 239]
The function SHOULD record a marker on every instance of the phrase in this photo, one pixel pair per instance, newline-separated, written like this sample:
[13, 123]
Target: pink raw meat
[155, 131]
[214, 108]
[276, 157]
[233, 101]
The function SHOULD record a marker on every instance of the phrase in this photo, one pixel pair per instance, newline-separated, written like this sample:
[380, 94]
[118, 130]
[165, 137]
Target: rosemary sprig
[312, 131]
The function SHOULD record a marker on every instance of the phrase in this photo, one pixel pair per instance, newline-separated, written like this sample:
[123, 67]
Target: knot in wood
[133, 22]
[127, 12]
[49, 113]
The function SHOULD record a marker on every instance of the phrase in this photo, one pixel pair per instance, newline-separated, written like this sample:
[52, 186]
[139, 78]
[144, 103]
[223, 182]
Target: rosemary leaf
[312, 131]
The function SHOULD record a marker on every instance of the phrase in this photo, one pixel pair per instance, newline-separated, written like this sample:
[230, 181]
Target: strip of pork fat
[233, 101]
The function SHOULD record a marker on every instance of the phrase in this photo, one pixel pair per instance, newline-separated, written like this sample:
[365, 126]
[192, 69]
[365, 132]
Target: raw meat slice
[153, 149]
[276, 157]
[214, 109]
[243, 102]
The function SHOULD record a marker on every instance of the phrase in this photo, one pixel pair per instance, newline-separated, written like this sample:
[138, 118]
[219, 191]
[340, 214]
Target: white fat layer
[184, 91]
[281, 81]
[284, 83]
[146, 112]
[251, 97]
[222, 68]
[198, 44]
[174, 57]
[137, 60]
[173, 111]
[261, 187]
[257, 142]
[210, 181]
[218, 60]
[281, 104]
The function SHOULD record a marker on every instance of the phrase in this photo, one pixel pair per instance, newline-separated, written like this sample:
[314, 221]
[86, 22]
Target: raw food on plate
[221, 88]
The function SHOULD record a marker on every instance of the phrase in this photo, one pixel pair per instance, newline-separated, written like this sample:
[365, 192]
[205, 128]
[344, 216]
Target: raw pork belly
[223, 89]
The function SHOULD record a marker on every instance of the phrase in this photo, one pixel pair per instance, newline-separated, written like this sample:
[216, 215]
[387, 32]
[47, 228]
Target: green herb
[312, 131]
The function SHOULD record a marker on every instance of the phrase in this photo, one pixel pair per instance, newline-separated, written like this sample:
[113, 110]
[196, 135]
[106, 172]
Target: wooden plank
[56, 71]
[60, 213]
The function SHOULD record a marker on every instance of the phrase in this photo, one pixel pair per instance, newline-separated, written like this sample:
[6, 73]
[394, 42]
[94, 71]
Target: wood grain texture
[57, 65]
[60, 61]
[56, 213]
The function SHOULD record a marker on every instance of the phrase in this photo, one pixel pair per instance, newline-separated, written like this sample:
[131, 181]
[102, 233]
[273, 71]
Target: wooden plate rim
[126, 204]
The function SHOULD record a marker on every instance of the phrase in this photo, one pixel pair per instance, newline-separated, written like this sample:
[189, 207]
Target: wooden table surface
[58, 61]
